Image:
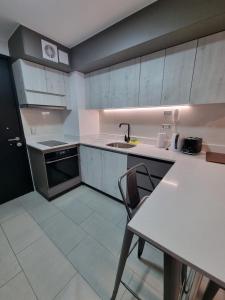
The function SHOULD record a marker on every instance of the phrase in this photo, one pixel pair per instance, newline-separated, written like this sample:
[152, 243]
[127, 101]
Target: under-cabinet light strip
[147, 108]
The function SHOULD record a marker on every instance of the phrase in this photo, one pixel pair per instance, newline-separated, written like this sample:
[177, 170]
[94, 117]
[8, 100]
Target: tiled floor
[68, 249]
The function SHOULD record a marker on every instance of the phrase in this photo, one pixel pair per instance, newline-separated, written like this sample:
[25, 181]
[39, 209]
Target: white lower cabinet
[90, 159]
[101, 169]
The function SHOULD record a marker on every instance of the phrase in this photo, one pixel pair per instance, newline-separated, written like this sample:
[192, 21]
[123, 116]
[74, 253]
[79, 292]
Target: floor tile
[21, 231]
[149, 267]
[31, 200]
[107, 207]
[76, 210]
[80, 193]
[9, 266]
[17, 288]
[142, 289]
[38, 207]
[77, 289]
[98, 266]
[63, 232]
[10, 209]
[106, 233]
[47, 269]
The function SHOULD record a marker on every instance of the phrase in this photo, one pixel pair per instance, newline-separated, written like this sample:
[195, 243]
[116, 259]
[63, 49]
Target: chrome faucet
[127, 137]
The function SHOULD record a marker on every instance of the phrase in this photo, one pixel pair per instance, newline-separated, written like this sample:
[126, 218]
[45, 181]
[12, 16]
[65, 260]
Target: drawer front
[144, 182]
[155, 167]
[143, 193]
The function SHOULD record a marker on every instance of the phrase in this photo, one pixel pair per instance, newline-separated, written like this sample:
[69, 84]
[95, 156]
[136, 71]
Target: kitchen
[112, 159]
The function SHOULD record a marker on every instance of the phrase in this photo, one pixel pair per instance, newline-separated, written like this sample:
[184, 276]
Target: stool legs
[141, 244]
[128, 236]
[211, 291]
[172, 277]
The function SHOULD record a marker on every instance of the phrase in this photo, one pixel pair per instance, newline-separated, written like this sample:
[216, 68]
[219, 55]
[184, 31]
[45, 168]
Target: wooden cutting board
[215, 157]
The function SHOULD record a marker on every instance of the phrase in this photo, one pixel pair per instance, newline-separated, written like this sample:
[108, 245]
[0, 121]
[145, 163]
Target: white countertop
[185, 215]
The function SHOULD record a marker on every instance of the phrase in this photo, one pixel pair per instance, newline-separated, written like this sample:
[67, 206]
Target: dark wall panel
[26, 44]
[162, 24]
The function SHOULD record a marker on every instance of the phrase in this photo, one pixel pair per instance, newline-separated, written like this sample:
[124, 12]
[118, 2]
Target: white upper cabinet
[151, 79]
[178, 72]
[34, 77]
[98, 89]
[124, 84]
[55, 82]
[209, 74]
[38, 85]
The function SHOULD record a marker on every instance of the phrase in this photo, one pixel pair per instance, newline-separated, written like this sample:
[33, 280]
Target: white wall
[4, 47]
[38, 122]
[206, 121]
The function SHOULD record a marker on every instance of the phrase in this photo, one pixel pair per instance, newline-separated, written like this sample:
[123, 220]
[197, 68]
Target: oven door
[61, 170]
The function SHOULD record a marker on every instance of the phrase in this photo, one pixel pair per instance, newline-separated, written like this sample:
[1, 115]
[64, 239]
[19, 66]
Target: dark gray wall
[26, 44]
[163, 24]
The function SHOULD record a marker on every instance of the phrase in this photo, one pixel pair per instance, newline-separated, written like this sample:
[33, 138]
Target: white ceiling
[66, 21]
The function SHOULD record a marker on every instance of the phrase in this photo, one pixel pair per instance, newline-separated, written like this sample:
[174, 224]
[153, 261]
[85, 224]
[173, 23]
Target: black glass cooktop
[52, 143]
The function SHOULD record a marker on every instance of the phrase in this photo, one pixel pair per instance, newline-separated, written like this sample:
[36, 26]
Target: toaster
[192, 145]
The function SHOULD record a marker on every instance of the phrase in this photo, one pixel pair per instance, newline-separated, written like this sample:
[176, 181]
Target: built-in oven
[62, 166]
[62, 170]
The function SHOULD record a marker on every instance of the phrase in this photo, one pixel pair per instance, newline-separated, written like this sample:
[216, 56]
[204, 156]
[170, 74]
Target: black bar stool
[132, 203]
[211, 291]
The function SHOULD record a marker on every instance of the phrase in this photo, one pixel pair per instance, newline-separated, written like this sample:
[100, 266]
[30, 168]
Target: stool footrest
[130, 290]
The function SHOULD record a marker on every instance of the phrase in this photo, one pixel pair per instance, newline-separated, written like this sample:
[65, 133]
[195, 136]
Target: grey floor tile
[21, 231]
[150, 267]
[10, 209]
[47, 269]
[122, 223]
[31, 200]
[98, 266]
[81, 193]
[9, 266]
[17, 289]
[76, 210]
[63, 232]
[42, 212]
[107, 207]
[38, 207]
[106, 233]
[77, 289]
[142, 289]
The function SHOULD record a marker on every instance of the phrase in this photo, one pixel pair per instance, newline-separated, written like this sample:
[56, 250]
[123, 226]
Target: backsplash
[38, 122]
[206, 121]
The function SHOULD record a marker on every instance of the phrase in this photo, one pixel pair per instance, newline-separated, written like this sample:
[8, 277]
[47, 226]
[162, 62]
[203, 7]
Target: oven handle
[60, 159]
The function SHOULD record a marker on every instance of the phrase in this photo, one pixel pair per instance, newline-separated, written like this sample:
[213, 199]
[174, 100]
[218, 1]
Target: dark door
[15, 176]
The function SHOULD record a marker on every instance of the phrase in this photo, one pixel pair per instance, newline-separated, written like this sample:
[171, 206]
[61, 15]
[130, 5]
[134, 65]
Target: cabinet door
[91, 166]
[68, 97]
[124, 84]
[33, 98]
[33, 76]
[178, 72]
[209, 73]
[55, 82]
[114, 165]
[151, 79]
[99, 89]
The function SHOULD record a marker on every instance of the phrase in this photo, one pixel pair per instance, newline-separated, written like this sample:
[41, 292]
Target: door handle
[16, 139]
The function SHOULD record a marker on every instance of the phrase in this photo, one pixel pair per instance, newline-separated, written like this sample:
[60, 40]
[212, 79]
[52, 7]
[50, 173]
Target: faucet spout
[127, 137]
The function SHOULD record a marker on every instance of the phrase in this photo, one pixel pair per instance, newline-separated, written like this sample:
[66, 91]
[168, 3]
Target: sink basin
[120, 145]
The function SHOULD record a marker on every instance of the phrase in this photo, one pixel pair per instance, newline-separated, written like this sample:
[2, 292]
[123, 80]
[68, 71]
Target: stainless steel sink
[120, 145]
